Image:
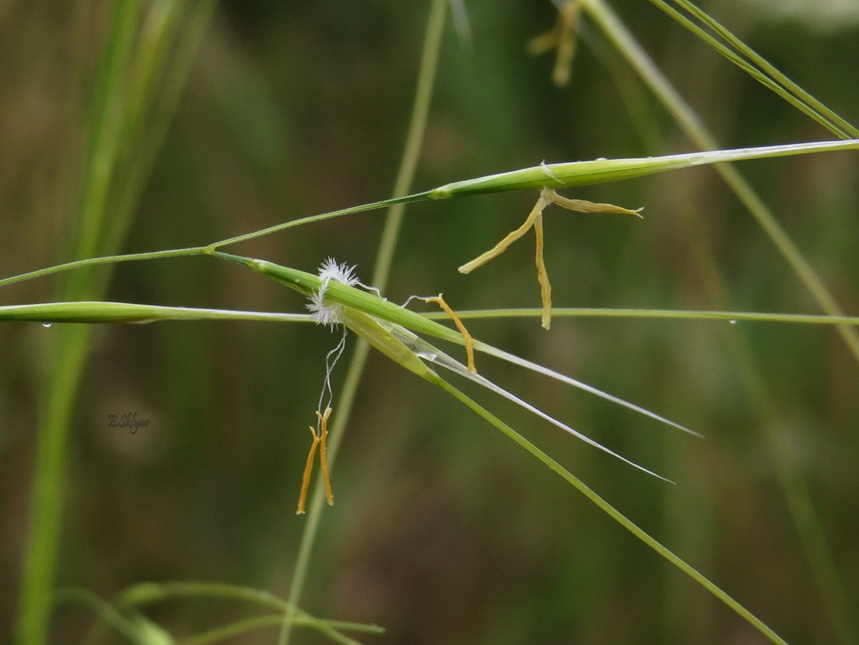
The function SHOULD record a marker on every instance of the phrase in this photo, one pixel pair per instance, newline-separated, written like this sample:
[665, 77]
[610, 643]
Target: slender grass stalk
[123, 312]
[105, 260]
[732, 317]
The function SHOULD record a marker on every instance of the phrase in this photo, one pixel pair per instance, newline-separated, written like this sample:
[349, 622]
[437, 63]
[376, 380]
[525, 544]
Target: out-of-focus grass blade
[735, 50]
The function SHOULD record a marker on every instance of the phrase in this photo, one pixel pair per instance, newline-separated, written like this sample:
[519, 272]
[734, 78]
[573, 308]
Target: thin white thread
[331, 359]
[407, 302]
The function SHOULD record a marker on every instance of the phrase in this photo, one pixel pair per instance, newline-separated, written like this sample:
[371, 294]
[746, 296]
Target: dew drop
[46, 324]
[733, 322]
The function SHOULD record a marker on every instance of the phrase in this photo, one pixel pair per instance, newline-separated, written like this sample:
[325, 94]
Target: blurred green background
[443, 531]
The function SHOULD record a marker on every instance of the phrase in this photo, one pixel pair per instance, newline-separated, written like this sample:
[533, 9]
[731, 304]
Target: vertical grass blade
[71, 344]
[133, 64]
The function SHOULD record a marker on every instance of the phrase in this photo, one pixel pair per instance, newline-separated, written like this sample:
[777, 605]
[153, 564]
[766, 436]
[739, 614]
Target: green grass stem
[124, 312]
[98, 311]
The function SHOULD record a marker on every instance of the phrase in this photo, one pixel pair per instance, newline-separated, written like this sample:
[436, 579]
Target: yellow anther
[535, 220]
[543, 276]
[499, 248]
[584, 206]
[467, 340]
[323, 455]
[320, 436]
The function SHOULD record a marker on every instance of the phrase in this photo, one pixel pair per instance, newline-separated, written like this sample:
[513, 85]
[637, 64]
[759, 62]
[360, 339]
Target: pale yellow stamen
[320, 436]
[499, 248]
[323, 455]
[584, 206]
[535, 220]
[467, 340]
[543, 276]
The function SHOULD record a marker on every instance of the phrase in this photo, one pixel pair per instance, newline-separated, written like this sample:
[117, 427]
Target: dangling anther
[543, 275]
[320, 437]
[535, 220]
[467, 340]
